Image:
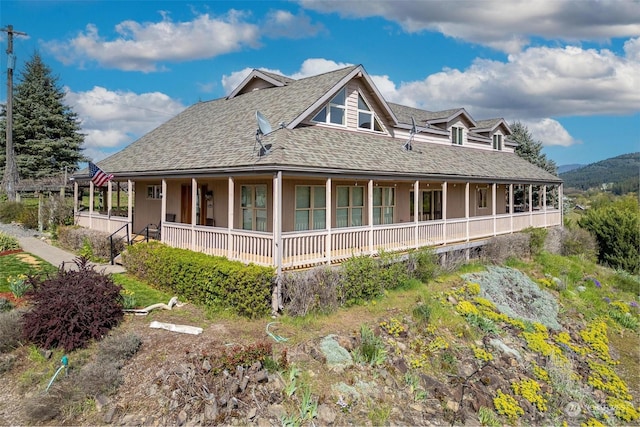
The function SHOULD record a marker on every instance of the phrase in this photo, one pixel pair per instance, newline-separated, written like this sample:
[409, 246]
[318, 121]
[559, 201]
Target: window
[497, 142]
[154, 191]
[430, 205]
[383, 203]
[254, 207]
[311, 210]
[482, 198]
[366, 118]
[456, 135]
[349, 206]
[334, 112]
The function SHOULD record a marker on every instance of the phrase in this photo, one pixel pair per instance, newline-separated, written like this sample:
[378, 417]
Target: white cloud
[550, 132]
[282, 23]
[141, 46]
[504, 25]
[112, 119]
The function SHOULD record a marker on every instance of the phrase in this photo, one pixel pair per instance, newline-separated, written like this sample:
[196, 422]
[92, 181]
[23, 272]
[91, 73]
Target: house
[296, 173]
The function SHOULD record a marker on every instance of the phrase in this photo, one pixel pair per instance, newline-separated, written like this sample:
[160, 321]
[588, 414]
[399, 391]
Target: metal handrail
[112, 250]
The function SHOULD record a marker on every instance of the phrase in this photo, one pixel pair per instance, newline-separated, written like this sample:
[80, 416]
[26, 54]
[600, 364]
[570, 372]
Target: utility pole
[10, 168]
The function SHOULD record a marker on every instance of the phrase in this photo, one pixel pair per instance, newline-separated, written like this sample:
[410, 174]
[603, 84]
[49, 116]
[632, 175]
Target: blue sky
[569, 70]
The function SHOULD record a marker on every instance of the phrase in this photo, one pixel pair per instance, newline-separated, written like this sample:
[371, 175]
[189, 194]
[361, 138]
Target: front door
[185, 204]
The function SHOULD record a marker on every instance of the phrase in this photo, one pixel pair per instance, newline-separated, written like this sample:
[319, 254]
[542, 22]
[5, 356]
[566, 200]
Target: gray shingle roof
[219, 135]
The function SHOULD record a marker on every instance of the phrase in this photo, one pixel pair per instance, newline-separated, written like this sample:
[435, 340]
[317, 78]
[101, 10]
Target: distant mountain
[621, 174]
[567, 168]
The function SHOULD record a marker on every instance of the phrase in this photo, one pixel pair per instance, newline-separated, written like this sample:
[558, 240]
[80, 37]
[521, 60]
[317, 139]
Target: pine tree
[46, 132]
[529, 149]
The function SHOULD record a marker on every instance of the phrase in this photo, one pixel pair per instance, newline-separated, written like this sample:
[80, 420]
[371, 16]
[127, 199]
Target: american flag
[98, 177]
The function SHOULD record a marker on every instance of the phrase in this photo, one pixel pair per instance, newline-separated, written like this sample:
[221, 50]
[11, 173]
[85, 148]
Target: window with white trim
[154, 192]
[254, 207]
[366, 118]
[457, 134]
[497, 142]
[349, 206]
[482, 198]
[334, 112]
[311, 210]
[384, 201]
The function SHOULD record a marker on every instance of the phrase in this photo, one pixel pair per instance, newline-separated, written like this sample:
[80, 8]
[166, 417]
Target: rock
[336, 355]
[108, 415]
[452, 405]
[206, 365]
[211, 410]
[326, 415]
[101, 401]
[276, 411]
[501, 346]
[182, 418]
[345, 342]
[572, 409]
[401, 365]
[252, 413]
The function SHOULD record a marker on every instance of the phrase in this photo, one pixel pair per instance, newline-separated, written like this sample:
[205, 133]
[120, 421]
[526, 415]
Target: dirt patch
[28, 258]
[11, 252]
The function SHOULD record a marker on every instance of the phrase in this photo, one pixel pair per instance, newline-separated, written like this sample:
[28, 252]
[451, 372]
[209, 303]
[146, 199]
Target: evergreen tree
[46, 132]
[529, 149]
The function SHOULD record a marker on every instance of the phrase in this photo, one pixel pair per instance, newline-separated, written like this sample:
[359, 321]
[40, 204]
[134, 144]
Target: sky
[568, 70]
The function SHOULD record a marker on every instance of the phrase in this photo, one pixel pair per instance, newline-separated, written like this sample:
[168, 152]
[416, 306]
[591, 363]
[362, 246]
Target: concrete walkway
[58, 257]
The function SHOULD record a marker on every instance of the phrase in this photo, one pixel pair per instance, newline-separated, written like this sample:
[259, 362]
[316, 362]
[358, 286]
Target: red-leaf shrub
[72, 308]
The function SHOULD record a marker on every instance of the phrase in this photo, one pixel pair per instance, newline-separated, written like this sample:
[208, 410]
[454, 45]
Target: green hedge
[203, 279]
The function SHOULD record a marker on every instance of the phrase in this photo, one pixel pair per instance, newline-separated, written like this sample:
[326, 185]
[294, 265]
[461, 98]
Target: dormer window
[366, 118]
[497, 142]
[457, 134]
[334, 112]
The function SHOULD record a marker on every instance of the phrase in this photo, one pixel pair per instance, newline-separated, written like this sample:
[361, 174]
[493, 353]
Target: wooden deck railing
[307, 248]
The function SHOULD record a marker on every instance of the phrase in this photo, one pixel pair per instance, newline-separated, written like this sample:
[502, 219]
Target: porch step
[118, 259]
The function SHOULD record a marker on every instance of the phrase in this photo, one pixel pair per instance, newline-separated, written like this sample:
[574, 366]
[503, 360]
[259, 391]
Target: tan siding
[147, 211]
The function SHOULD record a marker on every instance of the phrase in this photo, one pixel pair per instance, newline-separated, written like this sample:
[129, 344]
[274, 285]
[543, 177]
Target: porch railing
[307, 248]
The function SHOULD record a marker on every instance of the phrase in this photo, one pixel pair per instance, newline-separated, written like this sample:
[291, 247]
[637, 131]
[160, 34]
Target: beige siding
[147, 211]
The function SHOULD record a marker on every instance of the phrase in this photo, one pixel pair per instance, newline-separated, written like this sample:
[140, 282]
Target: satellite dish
[407, 145]
[264, 127]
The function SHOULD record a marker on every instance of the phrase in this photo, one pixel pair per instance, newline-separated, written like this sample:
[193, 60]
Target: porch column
[561, 203]
[444, 212]
[328, 211]
[194, 213]
[130, 202]
[163, 209]
[109, 197]
[530, 205]
[416, 211]
[466, 209]
[511, 207]
[276, 300]
[91, 188]
[544, 203]
[230, 220]
[75, 199]
[370, 214]
[493, 205]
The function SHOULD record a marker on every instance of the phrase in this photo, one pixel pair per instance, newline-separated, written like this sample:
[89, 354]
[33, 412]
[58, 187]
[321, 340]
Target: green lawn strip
[144, 294]
[12, 265]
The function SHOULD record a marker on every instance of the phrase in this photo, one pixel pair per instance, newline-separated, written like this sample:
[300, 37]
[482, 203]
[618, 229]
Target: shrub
[616, 227]
[5, 305]
[537, 237]
[244, 356]
[578, 241]
[10, 211]
[88, 243]
[72, 308]
[201, 278]
[10, 328]
[360, 281]
[500, 248]
[29, 217]
[118, 347]
[421, 314]
[423, 264]
[8, 243]
[309, 291]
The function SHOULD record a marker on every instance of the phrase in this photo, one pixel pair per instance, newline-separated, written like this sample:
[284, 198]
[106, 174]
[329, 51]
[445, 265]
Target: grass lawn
[144, 294]
[21, 263]
[27, 264]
